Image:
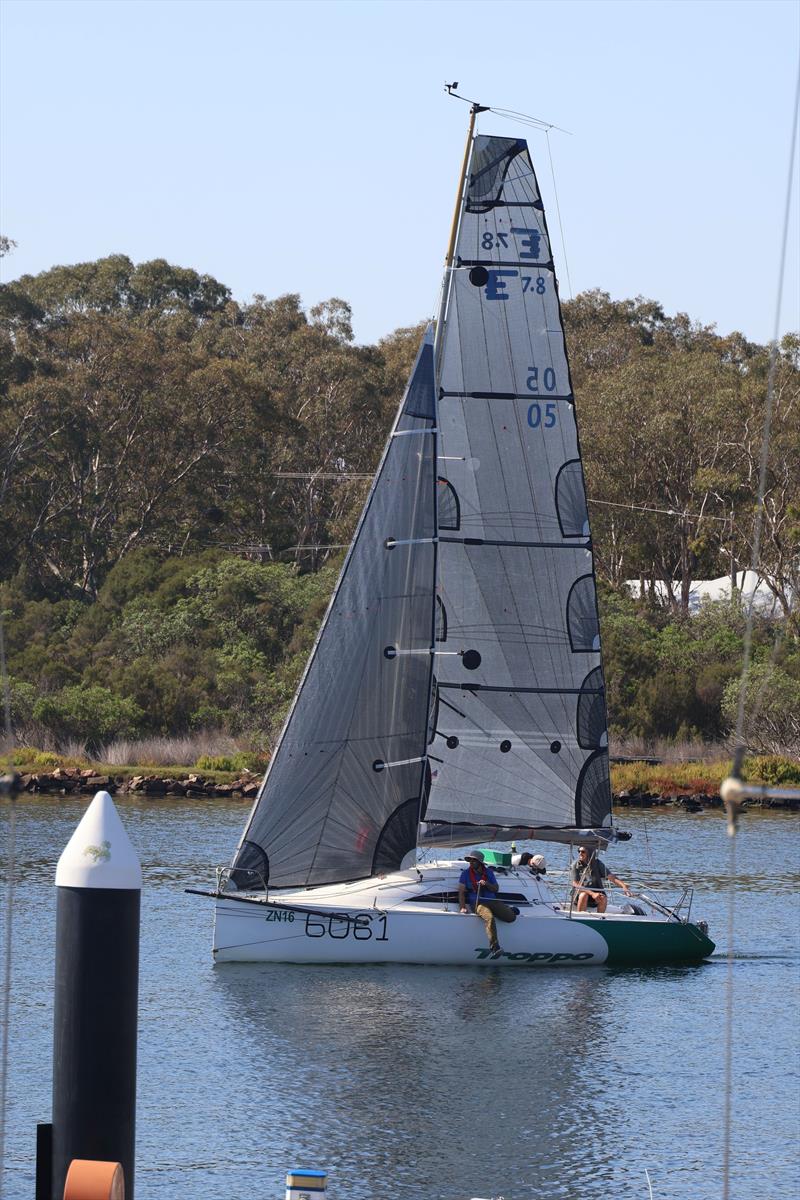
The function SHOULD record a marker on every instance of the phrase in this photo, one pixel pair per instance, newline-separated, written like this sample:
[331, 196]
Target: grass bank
[665, 779]
[699, 778]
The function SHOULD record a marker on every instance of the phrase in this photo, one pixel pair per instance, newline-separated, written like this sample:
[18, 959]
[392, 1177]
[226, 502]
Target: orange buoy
[89, 1180]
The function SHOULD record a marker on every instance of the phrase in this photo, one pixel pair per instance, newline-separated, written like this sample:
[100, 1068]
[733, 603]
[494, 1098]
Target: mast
[475, 108]
[444, 296]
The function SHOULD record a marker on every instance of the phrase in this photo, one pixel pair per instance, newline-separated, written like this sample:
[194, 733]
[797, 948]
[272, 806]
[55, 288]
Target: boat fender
[90, 1180]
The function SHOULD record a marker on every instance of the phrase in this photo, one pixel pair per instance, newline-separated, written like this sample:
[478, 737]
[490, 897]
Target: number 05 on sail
[455, 692]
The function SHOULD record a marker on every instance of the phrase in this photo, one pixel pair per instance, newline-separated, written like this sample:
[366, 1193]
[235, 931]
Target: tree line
[179, 472]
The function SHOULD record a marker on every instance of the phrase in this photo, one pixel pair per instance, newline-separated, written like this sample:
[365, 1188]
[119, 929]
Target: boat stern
[640, 942]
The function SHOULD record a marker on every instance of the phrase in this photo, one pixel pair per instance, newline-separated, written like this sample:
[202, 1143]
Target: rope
[670, 512]
[511, 114]
[739, 747]
[10, 870]
[7, 958]
[728, 1085]
[558, 213]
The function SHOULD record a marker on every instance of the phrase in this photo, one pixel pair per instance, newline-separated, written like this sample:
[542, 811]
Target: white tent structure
[747, 583]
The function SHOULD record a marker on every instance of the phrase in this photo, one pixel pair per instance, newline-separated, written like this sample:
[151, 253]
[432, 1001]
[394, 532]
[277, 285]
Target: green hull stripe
[638, 943]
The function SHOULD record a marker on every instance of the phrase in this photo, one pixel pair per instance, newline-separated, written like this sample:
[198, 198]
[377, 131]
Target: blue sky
[309, 147]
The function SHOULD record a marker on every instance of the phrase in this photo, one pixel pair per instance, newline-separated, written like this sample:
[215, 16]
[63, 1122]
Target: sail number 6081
[362, 926]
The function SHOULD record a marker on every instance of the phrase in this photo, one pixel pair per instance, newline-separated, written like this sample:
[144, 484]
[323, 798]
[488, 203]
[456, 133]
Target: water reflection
[431, 1058]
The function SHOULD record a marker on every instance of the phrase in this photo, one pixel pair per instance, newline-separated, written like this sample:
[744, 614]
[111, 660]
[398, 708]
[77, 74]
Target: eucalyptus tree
[108, 415]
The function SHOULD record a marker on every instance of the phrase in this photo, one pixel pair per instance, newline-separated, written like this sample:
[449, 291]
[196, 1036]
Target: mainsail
[341, 797]
[521, 722]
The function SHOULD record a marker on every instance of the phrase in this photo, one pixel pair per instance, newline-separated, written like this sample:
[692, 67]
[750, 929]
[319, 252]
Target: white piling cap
[99, 854]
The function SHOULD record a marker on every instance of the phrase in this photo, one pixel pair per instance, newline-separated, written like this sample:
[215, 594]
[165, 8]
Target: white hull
[388, 920]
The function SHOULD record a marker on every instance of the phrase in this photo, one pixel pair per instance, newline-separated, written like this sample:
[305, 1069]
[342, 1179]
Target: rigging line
[762, 477]
[319, 546]
[558, 212]
[648, 848]
[7, 958]
[670, 512]
[317, 475]
[6, 685]
[525, 118]
[746, 653]
[728, 1085]
[761, 694]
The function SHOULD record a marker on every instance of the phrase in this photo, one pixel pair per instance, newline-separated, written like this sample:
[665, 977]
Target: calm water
[413, 1083]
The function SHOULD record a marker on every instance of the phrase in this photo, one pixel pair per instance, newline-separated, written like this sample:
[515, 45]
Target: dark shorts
[590, 900]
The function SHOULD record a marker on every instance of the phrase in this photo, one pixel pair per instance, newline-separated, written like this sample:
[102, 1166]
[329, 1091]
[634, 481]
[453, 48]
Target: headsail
[521, 719]
[341, 798]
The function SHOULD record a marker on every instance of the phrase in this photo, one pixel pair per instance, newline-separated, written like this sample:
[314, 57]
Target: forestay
[341, 798]
[521, 722]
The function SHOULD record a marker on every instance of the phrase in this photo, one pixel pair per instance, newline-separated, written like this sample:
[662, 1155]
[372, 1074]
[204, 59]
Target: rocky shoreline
[66, 781]
[693, 802]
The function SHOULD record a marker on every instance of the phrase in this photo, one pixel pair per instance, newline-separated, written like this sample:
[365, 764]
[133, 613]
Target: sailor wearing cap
[535, 863]
[477, 892]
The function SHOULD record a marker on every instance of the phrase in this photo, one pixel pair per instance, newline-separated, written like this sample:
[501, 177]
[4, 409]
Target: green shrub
[250, 761]
[89, 714]
[215, 762]
[774, 769]
[45, 759]
[241, 761]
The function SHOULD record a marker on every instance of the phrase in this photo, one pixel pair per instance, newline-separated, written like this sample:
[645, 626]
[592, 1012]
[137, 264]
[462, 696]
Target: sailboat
[454, 696]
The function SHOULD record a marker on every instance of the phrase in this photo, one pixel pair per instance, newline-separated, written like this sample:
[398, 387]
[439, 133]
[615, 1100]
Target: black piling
[98, 885]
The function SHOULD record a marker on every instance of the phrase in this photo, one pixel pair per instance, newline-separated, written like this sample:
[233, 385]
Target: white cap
[99, 854]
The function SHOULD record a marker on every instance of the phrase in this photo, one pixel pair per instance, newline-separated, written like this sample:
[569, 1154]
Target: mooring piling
[98, 888]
